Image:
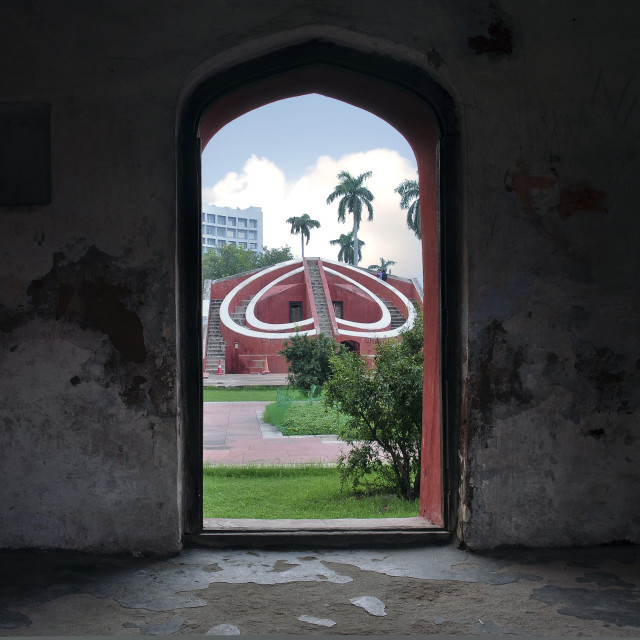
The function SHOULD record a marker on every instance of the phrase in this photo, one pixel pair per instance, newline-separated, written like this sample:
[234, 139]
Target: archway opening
[423, 113]
[351, 345]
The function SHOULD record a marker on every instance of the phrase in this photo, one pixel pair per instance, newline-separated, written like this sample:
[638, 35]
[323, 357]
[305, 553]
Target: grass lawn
[295, 414]
[239, 394]
[292, 492]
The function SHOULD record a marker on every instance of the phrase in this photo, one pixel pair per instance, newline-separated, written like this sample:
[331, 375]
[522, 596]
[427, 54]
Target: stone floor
[438, 590]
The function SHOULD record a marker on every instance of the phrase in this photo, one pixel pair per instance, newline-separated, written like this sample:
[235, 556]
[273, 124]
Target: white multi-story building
[225, 225]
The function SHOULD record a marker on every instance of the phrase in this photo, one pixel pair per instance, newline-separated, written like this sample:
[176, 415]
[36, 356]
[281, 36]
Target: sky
[285, 158]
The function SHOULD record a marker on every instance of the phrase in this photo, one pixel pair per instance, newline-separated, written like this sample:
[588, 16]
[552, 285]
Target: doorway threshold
[223, 532]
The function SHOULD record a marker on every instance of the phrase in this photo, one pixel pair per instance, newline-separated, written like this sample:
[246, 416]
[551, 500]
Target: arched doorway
[410, 101]
[351, 345]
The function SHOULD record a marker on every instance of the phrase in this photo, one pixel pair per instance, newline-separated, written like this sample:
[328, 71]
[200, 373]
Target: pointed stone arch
[406, 97]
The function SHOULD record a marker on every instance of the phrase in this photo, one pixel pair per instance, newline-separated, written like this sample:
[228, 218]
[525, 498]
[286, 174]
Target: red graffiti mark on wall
[580, 198]
[523, 185]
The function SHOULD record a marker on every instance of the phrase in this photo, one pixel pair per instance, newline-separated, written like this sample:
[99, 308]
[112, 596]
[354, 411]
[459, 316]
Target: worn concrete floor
[420, 590]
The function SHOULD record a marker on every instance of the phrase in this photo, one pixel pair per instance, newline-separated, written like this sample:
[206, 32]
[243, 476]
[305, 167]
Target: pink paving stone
[235, 430]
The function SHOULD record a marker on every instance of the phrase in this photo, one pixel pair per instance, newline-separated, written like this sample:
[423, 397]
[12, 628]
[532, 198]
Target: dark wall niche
[25, 153]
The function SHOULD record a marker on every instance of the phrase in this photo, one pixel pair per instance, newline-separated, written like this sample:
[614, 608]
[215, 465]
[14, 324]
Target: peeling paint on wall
[580, 198]
[528, 188]
[498, 43]
[497, 384]
[91, 293]
[89, 411]
[96, 294]
[434, 58]
[613, 390]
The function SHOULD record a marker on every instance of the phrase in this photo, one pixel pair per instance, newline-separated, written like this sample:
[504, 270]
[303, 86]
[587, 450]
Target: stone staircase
[324, 321]
[239, 313]
[397, 319]
[215, 344]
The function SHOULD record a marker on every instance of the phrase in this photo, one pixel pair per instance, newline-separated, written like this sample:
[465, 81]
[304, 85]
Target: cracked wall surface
[548, 312]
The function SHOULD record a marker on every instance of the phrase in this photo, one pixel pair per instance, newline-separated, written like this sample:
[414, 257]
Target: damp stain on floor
[425, 590]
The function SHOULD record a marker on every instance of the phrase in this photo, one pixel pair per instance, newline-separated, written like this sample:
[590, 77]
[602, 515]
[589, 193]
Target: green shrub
[308, 358]
[383, 405]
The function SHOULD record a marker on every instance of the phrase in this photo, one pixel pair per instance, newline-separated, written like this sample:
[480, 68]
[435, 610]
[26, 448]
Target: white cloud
[262, 184]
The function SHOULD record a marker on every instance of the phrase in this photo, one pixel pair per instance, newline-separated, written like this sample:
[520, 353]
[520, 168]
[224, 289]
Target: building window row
[228, 221]
[211, 242]
[223, 232]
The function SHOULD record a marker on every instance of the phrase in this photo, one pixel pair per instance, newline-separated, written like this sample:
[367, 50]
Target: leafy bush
[383, 405]
[308, 358]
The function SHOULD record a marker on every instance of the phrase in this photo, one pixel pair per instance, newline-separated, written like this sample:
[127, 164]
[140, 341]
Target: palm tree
[383, 266]
[352, 196]
[346, 247]
[302, 225]
[409, 191]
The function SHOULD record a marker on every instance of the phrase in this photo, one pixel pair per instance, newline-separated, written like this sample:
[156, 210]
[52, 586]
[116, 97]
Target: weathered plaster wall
[87, 300]
[548, 103]
[553, 394]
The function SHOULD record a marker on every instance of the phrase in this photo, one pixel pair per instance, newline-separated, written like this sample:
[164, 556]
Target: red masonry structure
[251, 314]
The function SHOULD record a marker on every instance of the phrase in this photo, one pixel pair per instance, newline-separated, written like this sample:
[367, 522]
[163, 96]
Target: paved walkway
[234, 433]
[245, 380]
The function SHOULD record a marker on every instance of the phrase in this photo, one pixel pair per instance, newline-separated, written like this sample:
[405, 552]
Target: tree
[302, 225]
[226, 261]
[383, 266]
[346, 247]
[220, 262]
[384, 409]
[308, 358]
[352, 196]
[409, 191]
[269, 257]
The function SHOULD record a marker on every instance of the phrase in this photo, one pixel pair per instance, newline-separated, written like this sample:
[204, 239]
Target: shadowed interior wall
[91, 368]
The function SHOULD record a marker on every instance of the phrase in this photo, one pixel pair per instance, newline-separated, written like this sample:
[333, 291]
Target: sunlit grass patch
[255, 393]
[296, 414]
[292, 492]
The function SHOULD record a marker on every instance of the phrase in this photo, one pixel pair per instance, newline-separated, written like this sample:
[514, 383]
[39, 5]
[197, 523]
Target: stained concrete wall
[547, 94]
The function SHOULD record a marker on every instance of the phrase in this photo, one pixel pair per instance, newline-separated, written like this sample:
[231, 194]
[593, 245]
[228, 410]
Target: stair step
[397, 319]
[215, 344]
[324, 322]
